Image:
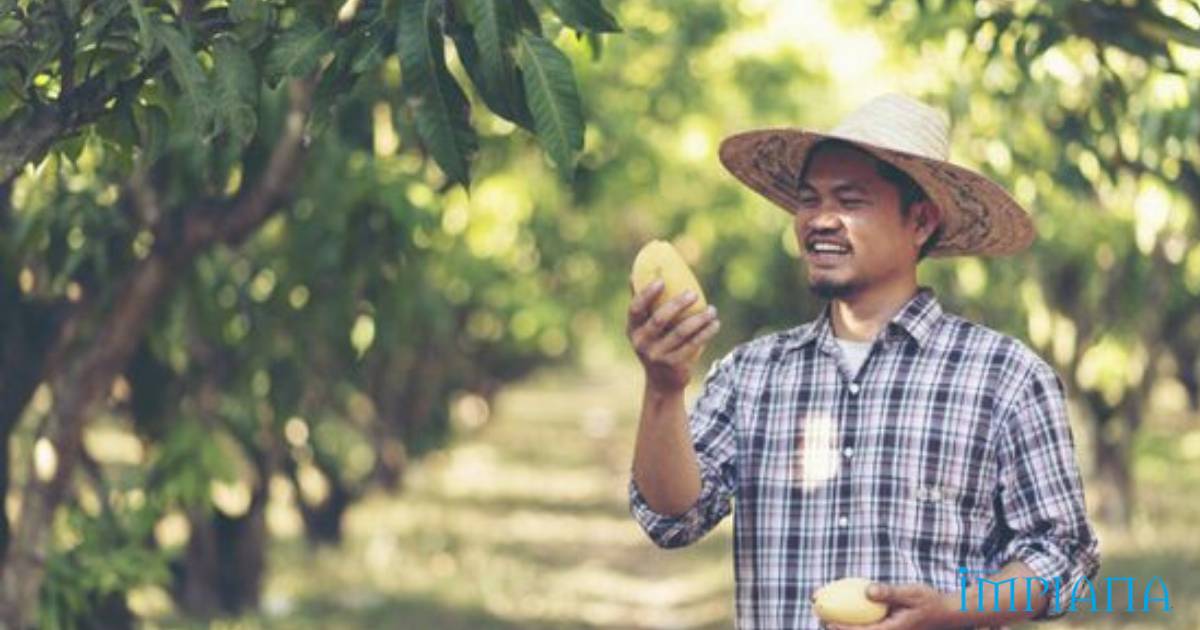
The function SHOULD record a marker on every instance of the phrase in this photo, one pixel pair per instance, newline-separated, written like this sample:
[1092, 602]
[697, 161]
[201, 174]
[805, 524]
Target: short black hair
[910, 191]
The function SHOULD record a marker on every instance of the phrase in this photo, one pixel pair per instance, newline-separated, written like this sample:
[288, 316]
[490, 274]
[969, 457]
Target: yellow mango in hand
[845, 601]
[659, 259]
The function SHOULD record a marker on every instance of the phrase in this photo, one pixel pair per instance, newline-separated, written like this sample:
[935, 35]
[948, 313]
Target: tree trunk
[27, 331]
[79, 388]
[222, 570]
[385, 379]
[323, 522]
[108, 613]
[77, 392]
[1186, 357]
[1115, 481]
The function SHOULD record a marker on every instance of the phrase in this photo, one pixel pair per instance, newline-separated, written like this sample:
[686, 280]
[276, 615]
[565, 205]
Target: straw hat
[978, 216]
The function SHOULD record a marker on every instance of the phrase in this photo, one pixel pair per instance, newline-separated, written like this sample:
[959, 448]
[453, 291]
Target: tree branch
[251, 209]
[82, 385]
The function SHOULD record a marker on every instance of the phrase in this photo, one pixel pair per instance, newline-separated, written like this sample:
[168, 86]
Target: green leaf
[72, 146]
[528, 16]
[251, 20]
[371, 46]
[236, 89]
[553, 99]
[190, 76]
[585, 15]
[494, 26]
[103, 15]
[334, 84]
[596, 43]
[297, 51]
[146, 34]
[117, 126]
[248, 10]
[153, 131]
[508, 103]
[439, 105]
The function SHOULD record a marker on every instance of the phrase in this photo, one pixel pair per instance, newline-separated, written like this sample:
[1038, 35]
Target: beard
[829, 289]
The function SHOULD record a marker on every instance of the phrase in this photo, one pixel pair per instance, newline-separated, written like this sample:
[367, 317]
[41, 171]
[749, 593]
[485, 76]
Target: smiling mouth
[826, 253]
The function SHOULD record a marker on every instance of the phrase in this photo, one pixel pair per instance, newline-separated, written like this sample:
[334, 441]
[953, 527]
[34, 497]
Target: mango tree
[136, 137]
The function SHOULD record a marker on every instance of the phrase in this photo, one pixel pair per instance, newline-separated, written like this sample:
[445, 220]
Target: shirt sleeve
[711, 422]
[1041, 492]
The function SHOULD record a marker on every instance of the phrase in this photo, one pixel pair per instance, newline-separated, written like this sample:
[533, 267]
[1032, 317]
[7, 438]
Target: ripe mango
[660, 259]
[845, 601]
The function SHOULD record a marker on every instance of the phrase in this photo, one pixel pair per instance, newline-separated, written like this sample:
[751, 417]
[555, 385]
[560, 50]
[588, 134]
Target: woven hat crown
[899, 123]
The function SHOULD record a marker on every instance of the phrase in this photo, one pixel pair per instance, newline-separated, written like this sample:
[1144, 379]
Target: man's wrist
[950, 611]
[953, 612]
[658, 394]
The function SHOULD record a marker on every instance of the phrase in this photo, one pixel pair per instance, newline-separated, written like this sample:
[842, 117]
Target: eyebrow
[842, 187]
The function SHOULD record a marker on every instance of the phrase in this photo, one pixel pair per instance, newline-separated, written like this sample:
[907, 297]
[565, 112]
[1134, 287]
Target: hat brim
[979, 217]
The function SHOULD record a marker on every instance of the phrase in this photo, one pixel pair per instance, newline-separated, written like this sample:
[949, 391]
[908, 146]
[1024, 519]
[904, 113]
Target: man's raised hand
[668, 346]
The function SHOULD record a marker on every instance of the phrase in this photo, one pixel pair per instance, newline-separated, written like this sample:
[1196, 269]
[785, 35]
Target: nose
[821, 218]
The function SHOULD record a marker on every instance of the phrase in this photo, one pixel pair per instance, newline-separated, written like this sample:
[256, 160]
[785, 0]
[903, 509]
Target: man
[886, 439]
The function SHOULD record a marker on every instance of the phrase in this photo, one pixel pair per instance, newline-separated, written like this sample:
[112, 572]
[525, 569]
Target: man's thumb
[879, 592]
[893, 593]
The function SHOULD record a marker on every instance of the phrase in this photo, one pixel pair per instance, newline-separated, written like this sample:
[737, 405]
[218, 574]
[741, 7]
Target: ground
[524, 523]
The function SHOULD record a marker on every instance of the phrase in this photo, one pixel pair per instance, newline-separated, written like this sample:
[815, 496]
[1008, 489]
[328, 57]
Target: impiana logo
[1082, 591]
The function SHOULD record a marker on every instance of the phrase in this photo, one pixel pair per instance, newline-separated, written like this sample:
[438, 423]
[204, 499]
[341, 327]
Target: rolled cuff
[681, 530]
[1051, 561]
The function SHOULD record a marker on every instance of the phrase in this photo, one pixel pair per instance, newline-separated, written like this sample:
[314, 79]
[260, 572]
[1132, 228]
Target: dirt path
[524, 523]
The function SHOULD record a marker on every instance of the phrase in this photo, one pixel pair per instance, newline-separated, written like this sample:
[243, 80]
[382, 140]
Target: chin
[831, 289]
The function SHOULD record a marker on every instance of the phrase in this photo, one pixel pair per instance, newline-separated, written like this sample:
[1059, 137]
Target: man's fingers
[667, 313]
[695, 341]
[639, 307]
[891, 622]
[685, 330]
[652, 328]
[903, 621]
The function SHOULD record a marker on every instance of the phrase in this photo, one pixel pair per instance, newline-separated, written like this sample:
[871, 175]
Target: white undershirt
[855, 351]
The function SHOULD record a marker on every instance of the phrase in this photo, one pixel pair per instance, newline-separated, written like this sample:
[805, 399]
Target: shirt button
[843, 521]
[853, 388]
[848, 452]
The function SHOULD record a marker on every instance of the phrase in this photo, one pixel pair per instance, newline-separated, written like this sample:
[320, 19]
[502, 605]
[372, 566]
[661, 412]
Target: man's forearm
[664, 461]
[1001, 604]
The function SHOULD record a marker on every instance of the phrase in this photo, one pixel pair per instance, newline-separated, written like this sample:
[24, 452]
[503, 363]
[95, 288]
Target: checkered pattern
[949, 448]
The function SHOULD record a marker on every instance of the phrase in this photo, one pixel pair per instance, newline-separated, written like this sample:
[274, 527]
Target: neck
[860, 317]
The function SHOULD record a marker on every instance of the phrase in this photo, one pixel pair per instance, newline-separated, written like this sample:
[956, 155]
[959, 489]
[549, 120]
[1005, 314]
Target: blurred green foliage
[234, 228]
[327, 342]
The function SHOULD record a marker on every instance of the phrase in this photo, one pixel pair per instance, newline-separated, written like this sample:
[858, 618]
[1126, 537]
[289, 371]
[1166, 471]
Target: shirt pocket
[939, 511]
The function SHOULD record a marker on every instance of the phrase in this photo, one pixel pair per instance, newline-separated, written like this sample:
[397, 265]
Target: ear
[927, 216]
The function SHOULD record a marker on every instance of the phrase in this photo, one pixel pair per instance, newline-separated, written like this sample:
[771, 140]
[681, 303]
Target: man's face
[846, 204]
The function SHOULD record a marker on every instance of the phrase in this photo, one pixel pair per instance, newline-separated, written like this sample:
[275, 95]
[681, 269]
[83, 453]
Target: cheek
[862, 232]
[874, 243]
[878, 232]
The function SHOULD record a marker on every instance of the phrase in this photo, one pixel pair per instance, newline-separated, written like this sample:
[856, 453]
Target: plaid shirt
[949, 448]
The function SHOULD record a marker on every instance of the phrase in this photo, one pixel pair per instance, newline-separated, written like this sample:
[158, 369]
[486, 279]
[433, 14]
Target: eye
[853, 202]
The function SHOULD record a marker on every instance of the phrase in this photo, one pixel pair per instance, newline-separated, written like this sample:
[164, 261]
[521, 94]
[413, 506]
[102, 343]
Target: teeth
[827, 247]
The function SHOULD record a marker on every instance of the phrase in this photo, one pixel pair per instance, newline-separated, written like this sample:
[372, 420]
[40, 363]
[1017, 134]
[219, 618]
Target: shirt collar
[917, 318]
